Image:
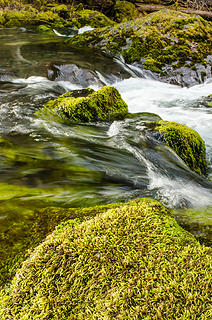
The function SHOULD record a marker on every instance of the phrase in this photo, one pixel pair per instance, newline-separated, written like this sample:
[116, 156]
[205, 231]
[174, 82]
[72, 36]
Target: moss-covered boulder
[161, 42]
[26, 227]
[128, 262]
[20, 18]
[88, 106]
[186, 142]
[92, 18]
[124, 11]
[55, 16]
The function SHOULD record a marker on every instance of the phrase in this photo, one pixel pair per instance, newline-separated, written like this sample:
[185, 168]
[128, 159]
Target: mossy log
[152, 8]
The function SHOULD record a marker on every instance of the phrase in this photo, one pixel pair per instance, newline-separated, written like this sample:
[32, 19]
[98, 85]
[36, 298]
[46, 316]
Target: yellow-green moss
[186, 142]
[209, 102]
[92, 18]
[103, 105]
[128, 262]
[57, 15]
[14, 18]
[159, 38]
[25, 227]
[124, 11]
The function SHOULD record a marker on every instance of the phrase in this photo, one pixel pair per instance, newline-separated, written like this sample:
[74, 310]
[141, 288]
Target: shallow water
[45, 163]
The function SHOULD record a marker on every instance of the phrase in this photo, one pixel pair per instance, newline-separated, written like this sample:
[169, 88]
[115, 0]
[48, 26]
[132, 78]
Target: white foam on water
[170, 102]
[85, 29]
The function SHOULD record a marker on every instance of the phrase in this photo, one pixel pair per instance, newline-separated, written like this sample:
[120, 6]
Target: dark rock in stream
[74, 74]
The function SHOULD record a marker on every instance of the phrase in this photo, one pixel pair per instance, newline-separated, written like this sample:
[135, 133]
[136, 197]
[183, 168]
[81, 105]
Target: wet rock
[169, 44]
[73, 74]
[186, 76]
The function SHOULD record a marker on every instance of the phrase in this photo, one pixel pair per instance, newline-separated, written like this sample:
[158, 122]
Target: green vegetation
[209, 102]
[124, 11]
[52, 15]
[129, 262]
[92, 18]
[187, 144]
[161, 38]
[25, 227]
[103, 105]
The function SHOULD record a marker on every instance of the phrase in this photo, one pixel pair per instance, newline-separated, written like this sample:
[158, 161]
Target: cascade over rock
[170, 44]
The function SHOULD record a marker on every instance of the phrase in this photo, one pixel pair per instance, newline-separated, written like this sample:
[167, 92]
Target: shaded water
[45, 163]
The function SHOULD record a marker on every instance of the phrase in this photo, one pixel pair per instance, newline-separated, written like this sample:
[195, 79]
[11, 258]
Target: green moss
[30, 18]
[128, 262]
[17, 18]
[104, 105]
[2, 19]
[43, 28]
[209, 101]
[61, 10]
[92, 18]
[151, 64]
[159, 38]
[187, 144]
[25, 227]
[124, 11]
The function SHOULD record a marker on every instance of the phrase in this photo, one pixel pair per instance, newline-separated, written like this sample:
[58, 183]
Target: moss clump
[44, 28]
[187, 144]
[17, 18]
[103, 105]
[209, 101]
[129, 262]
[92, 18]
[25, 227]
[57, 15]
[160, 39]
[30, 17]
[124, 11]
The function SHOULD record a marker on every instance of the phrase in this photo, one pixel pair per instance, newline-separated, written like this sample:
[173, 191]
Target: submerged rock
[127, 262]
[89, 106]
[186, 142]
[164, 42]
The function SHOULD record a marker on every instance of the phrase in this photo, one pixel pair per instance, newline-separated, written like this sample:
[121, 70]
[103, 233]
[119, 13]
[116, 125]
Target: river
[48, 163]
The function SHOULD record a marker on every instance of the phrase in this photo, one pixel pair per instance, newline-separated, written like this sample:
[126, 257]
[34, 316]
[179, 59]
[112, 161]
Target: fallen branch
[152, 8]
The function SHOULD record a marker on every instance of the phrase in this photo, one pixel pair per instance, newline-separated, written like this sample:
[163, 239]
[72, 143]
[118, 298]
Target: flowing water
[48, 163]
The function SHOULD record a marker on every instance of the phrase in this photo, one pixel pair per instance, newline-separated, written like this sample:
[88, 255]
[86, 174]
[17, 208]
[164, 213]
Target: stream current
[49, 163]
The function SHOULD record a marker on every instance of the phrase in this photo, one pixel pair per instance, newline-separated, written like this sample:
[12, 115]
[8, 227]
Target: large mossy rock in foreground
[186, 142]
[88, 106]
[128, 262]
[174, 45]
